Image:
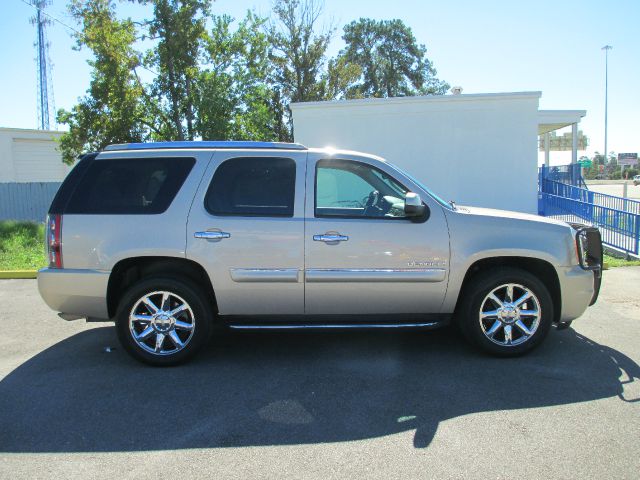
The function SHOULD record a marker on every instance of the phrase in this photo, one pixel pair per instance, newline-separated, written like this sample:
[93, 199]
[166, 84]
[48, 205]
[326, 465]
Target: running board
[332, 326]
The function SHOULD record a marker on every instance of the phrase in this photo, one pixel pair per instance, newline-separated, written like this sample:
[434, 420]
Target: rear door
[246, 227]
[363, 256]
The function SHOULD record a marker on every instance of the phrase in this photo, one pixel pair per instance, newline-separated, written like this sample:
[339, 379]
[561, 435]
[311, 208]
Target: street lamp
[606, 49]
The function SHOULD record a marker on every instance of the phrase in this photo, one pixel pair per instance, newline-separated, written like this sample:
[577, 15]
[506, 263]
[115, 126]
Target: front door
[362, 254]
[246, 227]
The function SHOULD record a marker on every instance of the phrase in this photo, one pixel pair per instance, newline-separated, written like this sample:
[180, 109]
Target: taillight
[54, 240]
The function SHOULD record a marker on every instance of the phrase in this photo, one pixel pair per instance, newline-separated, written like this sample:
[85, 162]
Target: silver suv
[173, 239]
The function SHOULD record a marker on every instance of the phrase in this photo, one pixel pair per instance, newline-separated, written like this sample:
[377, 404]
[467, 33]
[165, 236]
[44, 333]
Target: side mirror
[413, 206]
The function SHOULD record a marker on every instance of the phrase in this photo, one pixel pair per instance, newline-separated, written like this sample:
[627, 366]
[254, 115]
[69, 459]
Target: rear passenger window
[263, 186]
[130, 186]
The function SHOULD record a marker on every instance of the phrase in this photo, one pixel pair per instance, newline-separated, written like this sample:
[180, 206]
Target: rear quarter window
[129, 186]
[254, 186]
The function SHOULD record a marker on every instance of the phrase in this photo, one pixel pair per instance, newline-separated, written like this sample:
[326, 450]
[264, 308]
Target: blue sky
[489, 46]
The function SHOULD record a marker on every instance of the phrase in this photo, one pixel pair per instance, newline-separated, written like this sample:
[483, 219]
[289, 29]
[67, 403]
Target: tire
[163, 335]
[498, 330]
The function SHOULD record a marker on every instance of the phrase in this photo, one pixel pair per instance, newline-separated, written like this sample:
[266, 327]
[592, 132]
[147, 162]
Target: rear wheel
[505, 312]
[163, 321]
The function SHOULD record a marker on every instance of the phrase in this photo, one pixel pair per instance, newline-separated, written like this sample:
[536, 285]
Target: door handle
[330, 238]
[212, 235]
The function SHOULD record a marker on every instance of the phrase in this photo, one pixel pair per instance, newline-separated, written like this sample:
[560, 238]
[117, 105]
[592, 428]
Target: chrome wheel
[161, 323]
[510, 315]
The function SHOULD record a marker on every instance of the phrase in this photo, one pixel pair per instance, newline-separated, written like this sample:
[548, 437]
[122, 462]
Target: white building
[30, 156]
[478, 149]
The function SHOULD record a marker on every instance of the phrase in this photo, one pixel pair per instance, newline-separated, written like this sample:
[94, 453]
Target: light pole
[606, 49]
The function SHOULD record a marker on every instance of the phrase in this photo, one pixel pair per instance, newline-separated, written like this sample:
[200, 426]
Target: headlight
[588, 247]
[582, 248]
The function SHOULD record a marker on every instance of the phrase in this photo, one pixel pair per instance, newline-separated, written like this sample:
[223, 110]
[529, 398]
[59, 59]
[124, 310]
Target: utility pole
[606, 49]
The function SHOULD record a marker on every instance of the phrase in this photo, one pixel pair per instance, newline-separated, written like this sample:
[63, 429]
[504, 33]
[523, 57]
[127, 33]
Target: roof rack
[204, 144]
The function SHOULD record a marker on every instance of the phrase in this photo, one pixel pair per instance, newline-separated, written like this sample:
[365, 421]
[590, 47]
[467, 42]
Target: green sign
[585, 163]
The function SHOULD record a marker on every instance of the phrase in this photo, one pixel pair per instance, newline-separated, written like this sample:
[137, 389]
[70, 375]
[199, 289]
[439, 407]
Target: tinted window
[354, 189]
[70, 183]
[130, 186]
[253, 187]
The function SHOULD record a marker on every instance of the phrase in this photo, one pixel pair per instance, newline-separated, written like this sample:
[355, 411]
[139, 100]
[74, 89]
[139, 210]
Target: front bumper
[578, 290]
[75, 292]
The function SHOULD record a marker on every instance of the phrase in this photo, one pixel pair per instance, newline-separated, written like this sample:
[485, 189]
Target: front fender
[479, 237]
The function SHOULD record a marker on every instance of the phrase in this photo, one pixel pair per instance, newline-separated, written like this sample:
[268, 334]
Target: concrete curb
[7, 274]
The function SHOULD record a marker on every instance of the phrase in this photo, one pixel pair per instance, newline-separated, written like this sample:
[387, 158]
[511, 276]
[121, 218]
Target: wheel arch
[130, 270]
[542, 269]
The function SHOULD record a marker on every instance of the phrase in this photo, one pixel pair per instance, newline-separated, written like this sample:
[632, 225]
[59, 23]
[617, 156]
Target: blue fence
[26, 201]
[567, 174]
[617, 218]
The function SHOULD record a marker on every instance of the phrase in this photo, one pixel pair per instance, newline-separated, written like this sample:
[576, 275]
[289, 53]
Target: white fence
[26, 201]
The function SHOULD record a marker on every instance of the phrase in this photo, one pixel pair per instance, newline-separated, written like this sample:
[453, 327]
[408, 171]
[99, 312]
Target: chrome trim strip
[332, 325]
[265, 275]
[316, 275]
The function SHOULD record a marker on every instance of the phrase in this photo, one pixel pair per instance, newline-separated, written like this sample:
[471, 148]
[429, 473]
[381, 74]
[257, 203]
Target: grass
[21, 246]
[620, 262]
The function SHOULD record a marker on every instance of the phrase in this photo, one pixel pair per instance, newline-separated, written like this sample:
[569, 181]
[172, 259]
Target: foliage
[186, 74]
[298, 51]
[180, 30]
[233, 100]
[298, 56]
[21, 245]
[112, 110]
[392, 62]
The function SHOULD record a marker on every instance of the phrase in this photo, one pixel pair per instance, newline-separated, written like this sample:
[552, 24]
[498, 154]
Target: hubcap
[510, 315]
[161, 323]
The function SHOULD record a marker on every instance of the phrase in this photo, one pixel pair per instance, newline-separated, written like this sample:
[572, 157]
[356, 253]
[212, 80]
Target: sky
[483, 46]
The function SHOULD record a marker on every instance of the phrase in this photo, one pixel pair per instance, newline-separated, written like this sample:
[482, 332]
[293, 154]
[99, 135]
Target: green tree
[112, 110]
[179, 29]
[234, 100]
[392, 62]
[299, 48]
[298, 55]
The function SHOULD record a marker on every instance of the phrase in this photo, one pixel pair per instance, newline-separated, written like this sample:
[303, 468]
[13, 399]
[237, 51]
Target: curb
[12, 274]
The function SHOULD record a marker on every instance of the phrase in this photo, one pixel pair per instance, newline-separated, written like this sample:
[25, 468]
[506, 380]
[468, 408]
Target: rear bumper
[77, 292]
[578, 289]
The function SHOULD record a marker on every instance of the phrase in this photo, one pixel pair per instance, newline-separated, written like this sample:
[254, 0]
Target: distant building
[31, 170]
[30, 156]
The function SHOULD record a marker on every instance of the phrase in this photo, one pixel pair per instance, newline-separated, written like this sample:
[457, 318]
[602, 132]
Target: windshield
[421, 185]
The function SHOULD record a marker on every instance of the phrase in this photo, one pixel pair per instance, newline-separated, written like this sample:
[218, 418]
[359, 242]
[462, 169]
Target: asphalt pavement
[321, 405]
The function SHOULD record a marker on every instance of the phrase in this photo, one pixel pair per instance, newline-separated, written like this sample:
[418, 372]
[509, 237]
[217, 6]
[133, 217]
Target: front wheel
[163, 321]
[505, 312]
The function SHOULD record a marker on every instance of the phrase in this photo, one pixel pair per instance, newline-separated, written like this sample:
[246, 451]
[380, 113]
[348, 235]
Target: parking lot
[616, 189]
[321, 405]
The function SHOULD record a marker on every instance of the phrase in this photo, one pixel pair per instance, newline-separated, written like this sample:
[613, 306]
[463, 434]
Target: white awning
[550, 120]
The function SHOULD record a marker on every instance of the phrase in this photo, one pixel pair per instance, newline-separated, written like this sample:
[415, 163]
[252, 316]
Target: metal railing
[619, 229]
[568, 174]
[563, 194]
[584, 195]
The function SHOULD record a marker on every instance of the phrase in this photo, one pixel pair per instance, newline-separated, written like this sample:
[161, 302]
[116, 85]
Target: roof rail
[204, 144]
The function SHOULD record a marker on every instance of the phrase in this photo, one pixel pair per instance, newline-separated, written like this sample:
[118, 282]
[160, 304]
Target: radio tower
[46, 106]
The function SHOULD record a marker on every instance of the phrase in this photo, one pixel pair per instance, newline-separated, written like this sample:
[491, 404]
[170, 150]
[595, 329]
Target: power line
[55, 19]
[76, 31]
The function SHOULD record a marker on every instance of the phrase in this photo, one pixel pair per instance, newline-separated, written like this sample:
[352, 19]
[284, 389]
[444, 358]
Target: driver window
[353, 189]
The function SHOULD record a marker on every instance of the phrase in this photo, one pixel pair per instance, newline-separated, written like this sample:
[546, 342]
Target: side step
[337, 326]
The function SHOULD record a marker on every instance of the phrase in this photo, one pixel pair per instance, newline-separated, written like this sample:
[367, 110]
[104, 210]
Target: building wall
[476, 149]
[30, 156]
